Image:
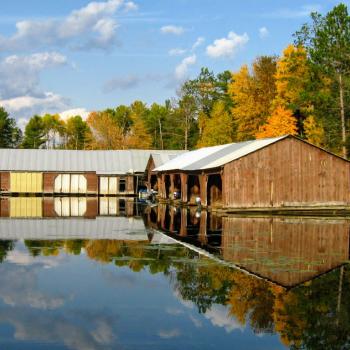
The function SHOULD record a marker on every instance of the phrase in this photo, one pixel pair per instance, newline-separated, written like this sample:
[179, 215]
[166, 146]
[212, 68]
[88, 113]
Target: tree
[314, 131]
[252, 95]
[106, 133]
[219, 128]
[281, 122]
[77, 133]
[10, 134]
[34, 133]
[327, 41]
[53, 128]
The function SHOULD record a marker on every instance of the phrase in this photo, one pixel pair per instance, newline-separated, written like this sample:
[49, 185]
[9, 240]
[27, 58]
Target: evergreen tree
[10, 134]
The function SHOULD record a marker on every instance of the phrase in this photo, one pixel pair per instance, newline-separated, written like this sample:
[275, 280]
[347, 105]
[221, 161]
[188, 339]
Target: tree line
[303, 92]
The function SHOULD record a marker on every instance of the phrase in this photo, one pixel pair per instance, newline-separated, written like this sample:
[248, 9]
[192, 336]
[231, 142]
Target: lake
[140, 277]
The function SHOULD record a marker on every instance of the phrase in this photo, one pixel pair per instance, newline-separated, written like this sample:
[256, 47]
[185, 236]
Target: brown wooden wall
[92, 183]
[49, 182]
[4, 181]
[286, 173]
[4, 208]
[286, 251]
[129, 186]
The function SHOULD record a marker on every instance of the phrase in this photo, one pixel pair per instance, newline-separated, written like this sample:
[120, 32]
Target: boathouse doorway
[214, 190]
[193, 188]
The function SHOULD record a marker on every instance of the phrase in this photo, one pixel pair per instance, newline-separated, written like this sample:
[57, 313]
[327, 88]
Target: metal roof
[161, 158]
[118, 228]
[101, 162]
[216, 156]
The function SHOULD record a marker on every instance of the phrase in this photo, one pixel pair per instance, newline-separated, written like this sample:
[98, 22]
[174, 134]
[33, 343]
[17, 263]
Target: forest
[304, 91]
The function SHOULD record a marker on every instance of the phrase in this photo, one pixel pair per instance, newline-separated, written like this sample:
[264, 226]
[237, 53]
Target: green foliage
[10, 134]
[77, 133]
[34, 134]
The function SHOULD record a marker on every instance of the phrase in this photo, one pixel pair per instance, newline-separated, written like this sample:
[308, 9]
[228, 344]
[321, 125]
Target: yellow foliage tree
[292, 77]
[138, 137]
[314, 131]
[106, 134]
[281, 122]
[252, 94]
[218, 129]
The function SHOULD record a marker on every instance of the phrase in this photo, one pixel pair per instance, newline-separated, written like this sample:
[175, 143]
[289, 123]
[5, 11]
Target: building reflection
[55, 207]
[287, 251]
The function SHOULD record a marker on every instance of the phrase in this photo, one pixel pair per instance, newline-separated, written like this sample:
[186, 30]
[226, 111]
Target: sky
[75, 56]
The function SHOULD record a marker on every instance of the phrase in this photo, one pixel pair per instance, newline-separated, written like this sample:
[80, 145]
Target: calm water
[167, 278]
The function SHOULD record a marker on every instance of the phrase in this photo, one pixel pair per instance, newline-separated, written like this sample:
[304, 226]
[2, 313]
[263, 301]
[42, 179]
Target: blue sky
[80, 55]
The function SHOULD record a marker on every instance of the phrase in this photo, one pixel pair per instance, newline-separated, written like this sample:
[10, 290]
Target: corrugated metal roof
[101, 162]
[161, 158]
[213, 157]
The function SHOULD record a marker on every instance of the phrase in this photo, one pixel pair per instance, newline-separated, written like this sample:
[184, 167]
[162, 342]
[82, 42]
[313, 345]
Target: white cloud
[227, 47]
[20, 74]
[130, 6]
[182, 69]
[90, 26]
[171, 29]
[22, 106]
[73, 112]
[263, 32]
[219, 316]
[200, 40]
[20, 93]
[168, 334]
[177, 52]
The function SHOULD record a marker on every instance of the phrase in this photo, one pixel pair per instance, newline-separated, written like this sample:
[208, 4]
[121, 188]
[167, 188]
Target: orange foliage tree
[281, 122]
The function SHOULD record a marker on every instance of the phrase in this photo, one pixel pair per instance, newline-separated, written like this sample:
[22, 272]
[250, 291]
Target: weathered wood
[49, 182]
[4, 207]
[287, 173]
[92, 183]
[5, 184]
[184, 189]
[309, 247]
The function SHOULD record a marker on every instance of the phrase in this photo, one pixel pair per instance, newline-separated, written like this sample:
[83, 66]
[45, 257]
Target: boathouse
[282, 172]
[77, 172]
[156, 160]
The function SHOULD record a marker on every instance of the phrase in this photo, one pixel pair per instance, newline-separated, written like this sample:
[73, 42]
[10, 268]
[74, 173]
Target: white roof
[216, 156]
[116, 228]
[101, 162]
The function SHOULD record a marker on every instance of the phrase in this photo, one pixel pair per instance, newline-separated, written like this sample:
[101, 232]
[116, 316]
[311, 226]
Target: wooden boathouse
[282, 172]
[73, 172]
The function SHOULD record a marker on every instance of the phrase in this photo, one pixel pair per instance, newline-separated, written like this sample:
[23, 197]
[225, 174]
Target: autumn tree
[281, 122]
[106, 133]
[219, 128]
[252, 95]
[53, 129]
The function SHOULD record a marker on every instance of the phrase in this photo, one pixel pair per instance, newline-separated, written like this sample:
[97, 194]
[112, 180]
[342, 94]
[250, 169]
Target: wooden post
[172, 186]
[163, 191]
[203, 228]
[183, 228]
[184, 179]
[203, 183]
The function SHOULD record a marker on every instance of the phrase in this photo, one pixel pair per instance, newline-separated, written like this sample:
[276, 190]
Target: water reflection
[285, 250]
[121, 283]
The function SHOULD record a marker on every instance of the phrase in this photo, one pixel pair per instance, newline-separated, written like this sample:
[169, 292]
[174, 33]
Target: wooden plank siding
[287, 173]
[286, 251]
[5, 182]
[49, 182]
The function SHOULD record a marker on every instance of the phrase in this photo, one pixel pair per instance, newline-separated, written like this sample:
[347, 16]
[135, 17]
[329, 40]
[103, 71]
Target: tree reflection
[5, 247]
[314, 315]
